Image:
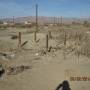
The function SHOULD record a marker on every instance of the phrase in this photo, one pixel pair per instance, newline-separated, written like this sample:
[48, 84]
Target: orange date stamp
[79, 78]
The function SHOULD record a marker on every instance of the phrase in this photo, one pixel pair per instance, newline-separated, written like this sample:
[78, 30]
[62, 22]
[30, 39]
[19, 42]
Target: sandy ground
[47, 71]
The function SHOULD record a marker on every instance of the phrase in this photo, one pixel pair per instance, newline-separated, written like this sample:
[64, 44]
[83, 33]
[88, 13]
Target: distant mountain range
[43, 19]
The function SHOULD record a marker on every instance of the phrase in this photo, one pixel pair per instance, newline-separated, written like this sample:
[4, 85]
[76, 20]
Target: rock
[2, 71]
[14, 37]
[16, 70]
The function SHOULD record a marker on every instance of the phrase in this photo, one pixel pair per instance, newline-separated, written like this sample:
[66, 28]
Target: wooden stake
[65, 39]
[19, 40]
[46, 42]
[35, 36]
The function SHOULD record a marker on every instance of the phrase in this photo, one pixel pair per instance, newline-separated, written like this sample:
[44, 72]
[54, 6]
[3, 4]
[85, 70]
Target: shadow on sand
[63, 86]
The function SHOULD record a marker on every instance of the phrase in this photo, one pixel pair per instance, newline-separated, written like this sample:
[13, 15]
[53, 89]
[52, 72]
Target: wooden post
[65, 39]
[46, 42]
[19, 40]
[35, 36]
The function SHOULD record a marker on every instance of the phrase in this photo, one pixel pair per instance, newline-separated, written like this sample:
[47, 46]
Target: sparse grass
[77, 41]
[76, 38]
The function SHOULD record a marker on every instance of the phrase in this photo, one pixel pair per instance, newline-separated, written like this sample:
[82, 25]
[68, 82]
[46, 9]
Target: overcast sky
[65, 8]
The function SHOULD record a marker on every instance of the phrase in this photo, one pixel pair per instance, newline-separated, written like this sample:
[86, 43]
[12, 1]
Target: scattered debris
[37, 58]
[37, 40]
[14, 37]
[37, 54]
[24, 43]
[7, 56]
[15, 70]
[2, 71]
[43, 52]
[49, 48]
[3, 54]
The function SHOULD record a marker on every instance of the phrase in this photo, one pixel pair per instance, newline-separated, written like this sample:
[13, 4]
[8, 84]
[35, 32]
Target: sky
[65, 8]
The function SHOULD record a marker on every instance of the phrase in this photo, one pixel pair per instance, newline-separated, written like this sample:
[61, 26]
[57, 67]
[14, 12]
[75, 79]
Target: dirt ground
[48, 69]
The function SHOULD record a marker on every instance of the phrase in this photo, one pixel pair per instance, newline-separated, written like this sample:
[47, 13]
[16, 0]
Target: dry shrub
[6, 46]
[76, 41]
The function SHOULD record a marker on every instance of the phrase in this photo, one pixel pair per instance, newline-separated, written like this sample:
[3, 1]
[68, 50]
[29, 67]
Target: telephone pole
[61, 21]
[54, 20]
[35, 33]
[36, 17]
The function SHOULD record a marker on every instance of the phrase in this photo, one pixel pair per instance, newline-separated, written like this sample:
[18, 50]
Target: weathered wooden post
[19, 40]
[65, 41]
[35, 36]
[65, 38]
[46, 42]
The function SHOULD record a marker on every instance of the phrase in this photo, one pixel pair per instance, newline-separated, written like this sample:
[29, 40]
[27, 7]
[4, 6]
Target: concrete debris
[24, 43]
[14, 37]
[17, 69]
[37, 54]
[2, 71]
[7, 56]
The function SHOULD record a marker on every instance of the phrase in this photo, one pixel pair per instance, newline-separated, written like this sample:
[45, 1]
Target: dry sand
[48, 70]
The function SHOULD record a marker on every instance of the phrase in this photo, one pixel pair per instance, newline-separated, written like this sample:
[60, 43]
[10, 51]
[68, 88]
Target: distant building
[5, 23]
[27, 22]
[51, 24]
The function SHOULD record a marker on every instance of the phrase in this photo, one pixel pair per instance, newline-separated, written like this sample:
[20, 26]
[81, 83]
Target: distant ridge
[44, 19]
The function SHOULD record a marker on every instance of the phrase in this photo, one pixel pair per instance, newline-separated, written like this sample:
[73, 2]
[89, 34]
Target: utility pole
[61, 21]
[35, 33]
[54, 20]
[36, 17]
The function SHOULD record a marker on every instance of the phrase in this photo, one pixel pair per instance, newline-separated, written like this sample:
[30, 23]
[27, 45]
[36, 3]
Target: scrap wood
[24, 43]
[14, 37]
[8, 56]
[17, 69]
[2, 71]
[3, 54]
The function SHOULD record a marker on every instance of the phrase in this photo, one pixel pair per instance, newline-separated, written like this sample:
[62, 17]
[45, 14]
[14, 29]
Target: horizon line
[77, 17]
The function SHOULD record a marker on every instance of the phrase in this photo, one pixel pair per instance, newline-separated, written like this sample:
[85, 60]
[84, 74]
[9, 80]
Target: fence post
[65, 39]
[46, 42]
[19, 40]
[35, 36]
[65, 42]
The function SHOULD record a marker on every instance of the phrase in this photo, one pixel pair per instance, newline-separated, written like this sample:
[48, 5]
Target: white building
[27, 22]
[5, 23]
